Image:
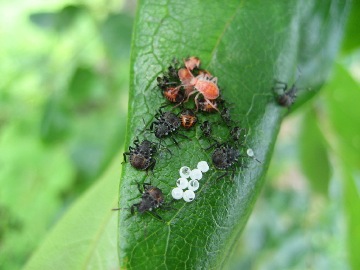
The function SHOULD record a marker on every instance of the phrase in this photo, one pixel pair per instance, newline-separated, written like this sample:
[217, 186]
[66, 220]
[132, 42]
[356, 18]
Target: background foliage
[61, 149]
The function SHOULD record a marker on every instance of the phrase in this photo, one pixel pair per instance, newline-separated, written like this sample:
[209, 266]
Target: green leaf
[313, 153]
[85, 238]
[352, 203]
[247, 45]
[30, 178]
[83, 86]
[59, 21]
[352, 38]
[55, 121]
[111, 35]
[343, 93]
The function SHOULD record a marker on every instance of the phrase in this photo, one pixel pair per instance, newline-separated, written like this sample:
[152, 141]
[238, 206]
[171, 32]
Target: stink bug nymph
[166, 124]
[188, 118]
[224, 158]
[238, 134]
[206, 129]
[141, 156]
[192, 62]
[226, 116]
[168, 84]
[173, 94]
[206, 107]
[152, 198]
[288, 96]
[203, 84]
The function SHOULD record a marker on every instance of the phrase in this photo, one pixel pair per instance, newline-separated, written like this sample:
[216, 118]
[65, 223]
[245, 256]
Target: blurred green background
[63, 103]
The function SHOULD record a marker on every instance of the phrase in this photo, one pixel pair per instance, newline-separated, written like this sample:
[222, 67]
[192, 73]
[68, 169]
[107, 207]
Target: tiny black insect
[288, 96]
[169, 83]
[226, 117]
[166, 124]
[206, 130]
[224, 158]
[188, 118]
[170, 76]
[238, 135]
[173, 70]
[141, 155]
[152, 198]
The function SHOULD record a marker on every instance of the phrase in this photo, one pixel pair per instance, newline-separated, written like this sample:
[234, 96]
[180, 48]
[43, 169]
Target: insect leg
[124, 155]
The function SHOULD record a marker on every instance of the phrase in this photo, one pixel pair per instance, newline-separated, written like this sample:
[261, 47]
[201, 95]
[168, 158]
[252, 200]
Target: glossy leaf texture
[247, 45]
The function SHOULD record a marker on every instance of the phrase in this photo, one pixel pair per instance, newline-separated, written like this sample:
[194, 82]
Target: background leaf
[55, 143]
[342, 94]
[84, 238]
[313, 150]
[352, 204]
[246, 45]
[59, 21]
[352, 39]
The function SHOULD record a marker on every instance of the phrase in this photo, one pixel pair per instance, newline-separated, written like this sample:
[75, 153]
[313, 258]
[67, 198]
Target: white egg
[203, 166]
[185, 172]
[195, 174]
[194, 185]
[182, 183]
[189, 196]
[177, 193]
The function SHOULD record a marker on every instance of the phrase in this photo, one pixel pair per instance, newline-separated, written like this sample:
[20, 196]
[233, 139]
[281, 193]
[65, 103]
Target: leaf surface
[247, 45]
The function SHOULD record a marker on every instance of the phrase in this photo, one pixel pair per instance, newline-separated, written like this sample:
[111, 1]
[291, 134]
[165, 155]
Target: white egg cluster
[185, 188]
